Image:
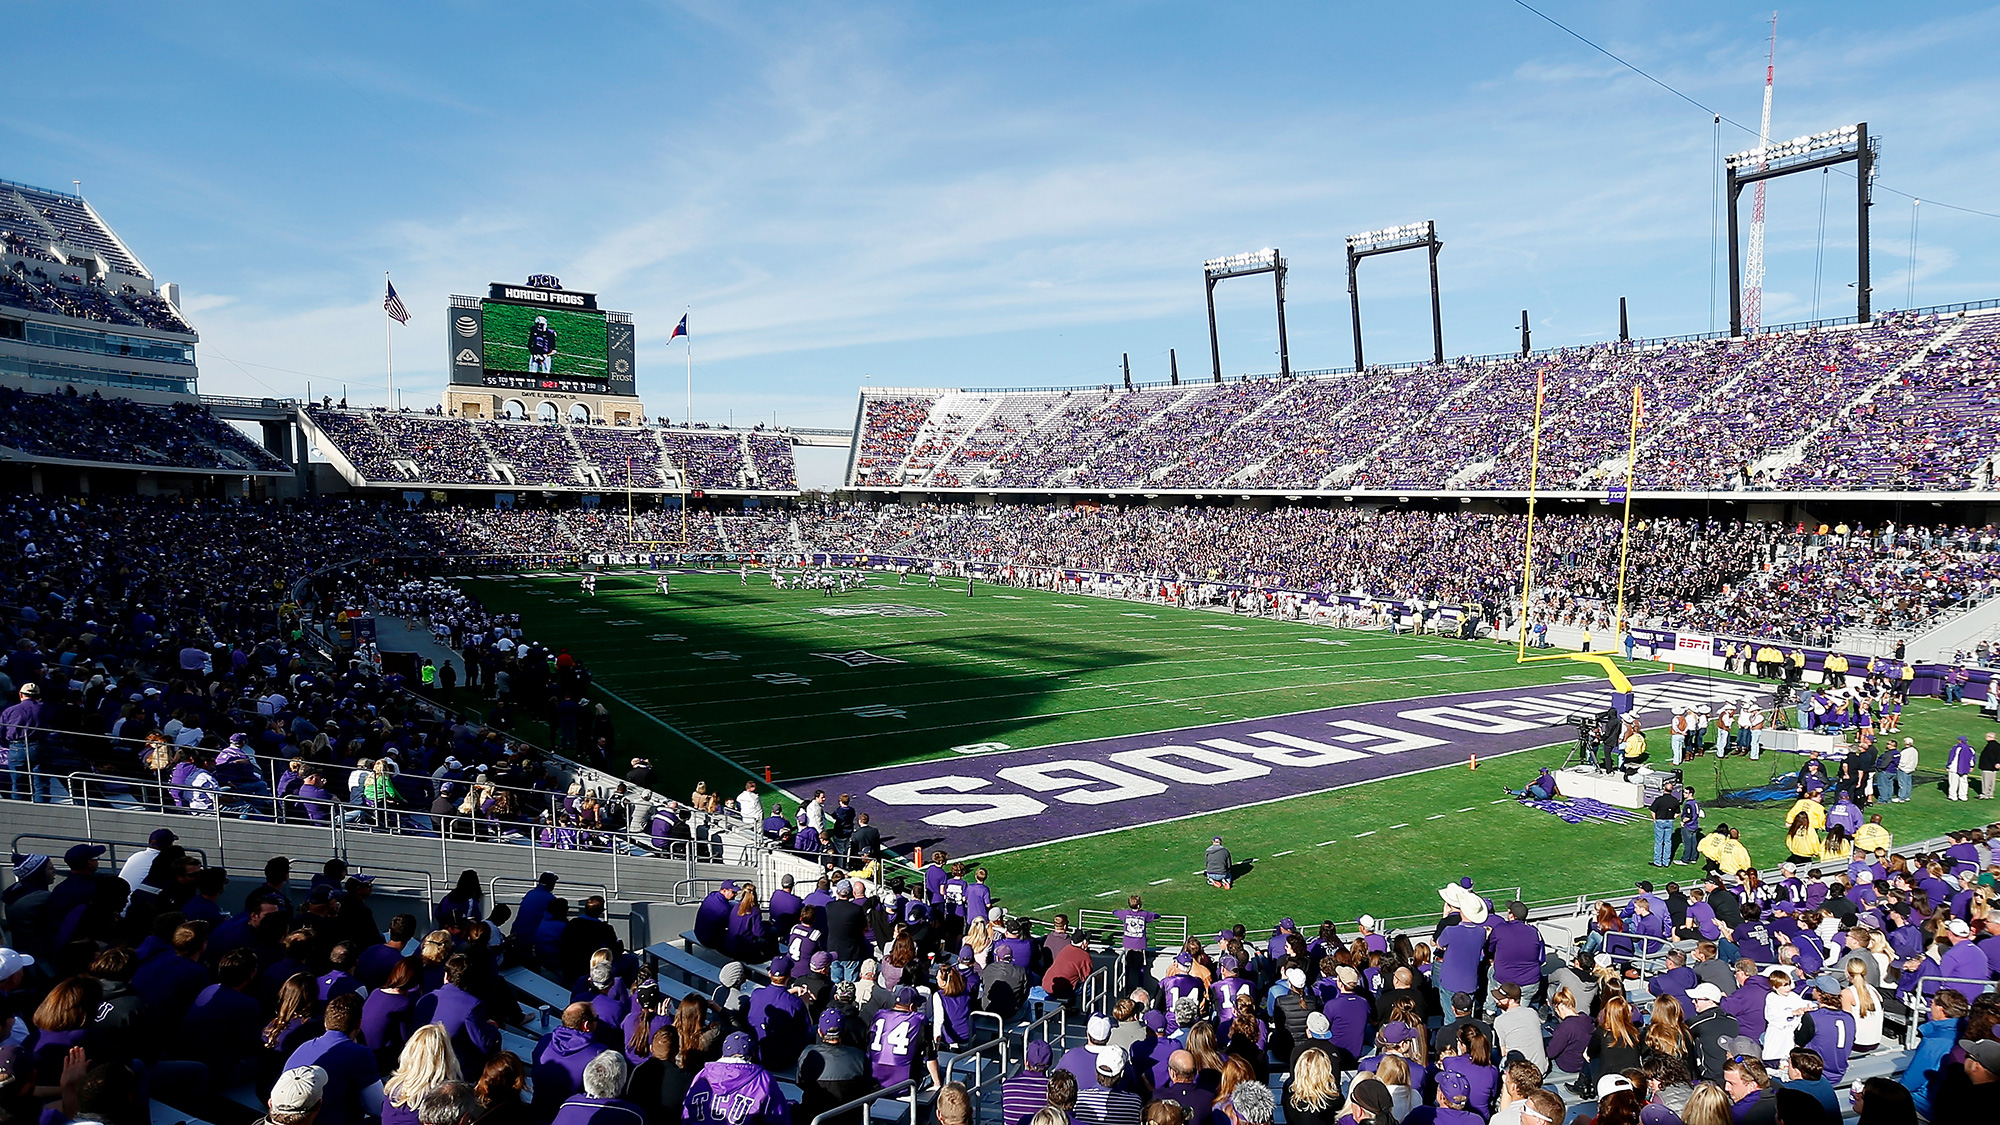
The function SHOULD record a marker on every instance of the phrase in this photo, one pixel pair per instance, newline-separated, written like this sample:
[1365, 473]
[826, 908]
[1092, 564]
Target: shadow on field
[764, 681]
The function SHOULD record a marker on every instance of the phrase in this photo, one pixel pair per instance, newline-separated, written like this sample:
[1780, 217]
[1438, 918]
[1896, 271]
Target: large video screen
[546, 341]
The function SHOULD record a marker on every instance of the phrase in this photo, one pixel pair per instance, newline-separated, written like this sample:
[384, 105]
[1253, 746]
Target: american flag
[394, 305]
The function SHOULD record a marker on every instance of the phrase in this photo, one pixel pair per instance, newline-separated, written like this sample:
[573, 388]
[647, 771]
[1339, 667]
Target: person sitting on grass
[1543, 788]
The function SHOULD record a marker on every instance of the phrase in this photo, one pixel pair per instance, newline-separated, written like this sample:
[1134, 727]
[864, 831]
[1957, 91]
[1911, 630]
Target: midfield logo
[876, 609]
[858, 658]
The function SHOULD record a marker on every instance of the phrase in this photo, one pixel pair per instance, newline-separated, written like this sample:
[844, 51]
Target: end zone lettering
[1008, 799]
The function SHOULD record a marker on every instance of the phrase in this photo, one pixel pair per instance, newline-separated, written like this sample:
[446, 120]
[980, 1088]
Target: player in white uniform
[665, 585]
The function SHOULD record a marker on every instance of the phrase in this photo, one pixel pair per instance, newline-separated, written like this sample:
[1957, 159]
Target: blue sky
[980, 195]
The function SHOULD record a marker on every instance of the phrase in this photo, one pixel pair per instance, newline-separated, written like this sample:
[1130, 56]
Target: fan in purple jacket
[733, 1090]
[560, 1059]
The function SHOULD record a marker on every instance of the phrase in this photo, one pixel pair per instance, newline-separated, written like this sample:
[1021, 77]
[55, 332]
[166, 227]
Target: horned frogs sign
[1005, 799]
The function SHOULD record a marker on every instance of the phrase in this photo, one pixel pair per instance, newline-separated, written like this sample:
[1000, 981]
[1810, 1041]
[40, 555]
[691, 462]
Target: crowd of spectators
[1719, 415]
[431, 448]
[91, 427]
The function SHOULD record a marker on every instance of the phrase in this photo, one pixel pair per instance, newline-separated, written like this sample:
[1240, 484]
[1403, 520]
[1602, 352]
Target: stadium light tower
[1805, 154]
[1388, 240]
[1244, 265]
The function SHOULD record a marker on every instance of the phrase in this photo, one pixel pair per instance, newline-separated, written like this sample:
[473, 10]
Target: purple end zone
[976, 805]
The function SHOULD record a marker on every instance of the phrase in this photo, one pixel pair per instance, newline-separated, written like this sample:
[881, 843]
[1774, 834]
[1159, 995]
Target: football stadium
[1589, 732]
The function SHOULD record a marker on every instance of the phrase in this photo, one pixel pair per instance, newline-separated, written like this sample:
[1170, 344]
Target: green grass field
[706, 680]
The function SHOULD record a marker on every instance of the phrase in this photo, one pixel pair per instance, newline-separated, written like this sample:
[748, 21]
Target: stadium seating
[1903, 403]
[44, 239]
[90, 427]
[398, 447]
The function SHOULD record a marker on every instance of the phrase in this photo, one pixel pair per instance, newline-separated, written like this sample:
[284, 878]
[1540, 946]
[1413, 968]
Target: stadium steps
[950, 456]
[1106, 448]
[1250, 470]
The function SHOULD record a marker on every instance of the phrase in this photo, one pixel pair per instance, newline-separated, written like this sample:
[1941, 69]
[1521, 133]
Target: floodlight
[1388, 240]
[1243, 265]
[1805, 154]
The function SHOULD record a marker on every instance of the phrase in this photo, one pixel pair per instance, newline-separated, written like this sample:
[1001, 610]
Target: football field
[1088, 748]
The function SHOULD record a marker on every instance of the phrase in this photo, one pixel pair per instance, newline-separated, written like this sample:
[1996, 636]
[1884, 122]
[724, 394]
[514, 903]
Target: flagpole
[389, 347]
[687, 420]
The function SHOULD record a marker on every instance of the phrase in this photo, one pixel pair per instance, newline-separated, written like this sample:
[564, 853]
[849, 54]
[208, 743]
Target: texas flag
[680, 329]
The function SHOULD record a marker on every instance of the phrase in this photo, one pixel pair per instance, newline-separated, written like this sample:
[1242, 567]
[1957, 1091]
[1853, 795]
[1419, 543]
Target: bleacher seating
[1905, 402]
[91, 427]
[57, 256]
[395, 447]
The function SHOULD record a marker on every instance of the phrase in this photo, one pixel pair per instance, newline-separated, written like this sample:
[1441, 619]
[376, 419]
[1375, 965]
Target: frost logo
[859, 658]
[467, 327]
[666, 637]
[781, 678]
[625, 621]
[874, 711]
[718, 654]
[466, 358]
[876, 609]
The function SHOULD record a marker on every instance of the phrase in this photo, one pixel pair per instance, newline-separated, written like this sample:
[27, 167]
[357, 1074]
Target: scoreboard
[540, 336]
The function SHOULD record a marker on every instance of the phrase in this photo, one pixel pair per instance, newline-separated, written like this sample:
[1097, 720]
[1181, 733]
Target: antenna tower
[1753, 290]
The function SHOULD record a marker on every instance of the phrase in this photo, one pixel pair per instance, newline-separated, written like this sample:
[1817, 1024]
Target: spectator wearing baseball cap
[1967, 1091]
[1025, 1092]
[735, 1090]
[296, 1095]
[832, 1072]
[26, 899]
[778, 1018]
[1106, 1100]
[1454, 1099]
[140, 863]
[78, 886]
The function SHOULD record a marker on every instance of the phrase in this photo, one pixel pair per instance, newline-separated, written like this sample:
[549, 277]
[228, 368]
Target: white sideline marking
[1287, 851]
[1102, 894]
[1393, 827]
[1439, 816]
[1324, 843]
[1157, 882]
[1370, 832]
[1468, 808]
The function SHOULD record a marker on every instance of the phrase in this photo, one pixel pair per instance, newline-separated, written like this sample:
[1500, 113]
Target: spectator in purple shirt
[353, 1091]
[1464, 944]
[1516, 947]
[464, 1019]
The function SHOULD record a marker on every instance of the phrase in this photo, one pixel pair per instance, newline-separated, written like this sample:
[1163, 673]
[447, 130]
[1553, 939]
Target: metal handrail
[975, 1055]
[429, 880]
[111, 855]
[907, 1085]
